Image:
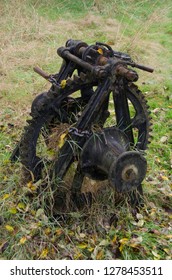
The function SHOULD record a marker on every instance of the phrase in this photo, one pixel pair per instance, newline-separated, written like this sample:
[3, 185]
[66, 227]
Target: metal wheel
[134, 117]
[40, 162]
[140, 117]
[41, 137]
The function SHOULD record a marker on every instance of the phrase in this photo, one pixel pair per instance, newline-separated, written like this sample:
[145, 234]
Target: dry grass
[29, 39]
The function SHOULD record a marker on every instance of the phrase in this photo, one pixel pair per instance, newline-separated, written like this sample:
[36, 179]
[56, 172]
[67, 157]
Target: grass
[30, 33]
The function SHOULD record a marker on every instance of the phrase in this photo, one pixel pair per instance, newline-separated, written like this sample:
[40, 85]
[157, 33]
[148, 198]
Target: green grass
[31, 31]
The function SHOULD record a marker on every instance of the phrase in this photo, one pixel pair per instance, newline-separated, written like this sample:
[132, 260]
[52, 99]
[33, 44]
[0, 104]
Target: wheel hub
[107, 156]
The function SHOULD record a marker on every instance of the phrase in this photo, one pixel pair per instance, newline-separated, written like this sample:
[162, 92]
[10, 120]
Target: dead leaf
[156, 255]
[164, 178]
[100, 51]
[59, 231]
[62, 139]
[13, 210]
[114, 239]
[21, 206]
[135, 242]
[168, 251]
[9, 228]
[164, 139]
[82, 235]
[47, 231]
[5, 196]
[82, 246]
[4, 246]
[139, 216]
[100, 255]
[44, 253]
[123, 241]
[39, 212]
[90, 249]
[140, 223]
[31, 186]
[23, 240]
[63, 84]
[154, 231]
[156, 110]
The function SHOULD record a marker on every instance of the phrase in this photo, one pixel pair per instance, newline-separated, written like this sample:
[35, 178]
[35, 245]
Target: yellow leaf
[9, 228]
[21, 205]
[5, 196]
[44, 253]
[91, 249]
[100, 51]
[59, 231]
[114, 239]
[134, 245]
[33, 212]
[62, 139]
[165, 178]
[123, 241]
[13, 210]
[167, 250]
[121, 247]
[63, 84]
[169, 236]
[47, 231]
[100, 255]
[82, 246]
[23, 240]
[31, 186]
[77, 256]
[5, 178]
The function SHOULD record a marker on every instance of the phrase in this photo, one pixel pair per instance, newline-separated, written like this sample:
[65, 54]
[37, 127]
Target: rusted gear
[47, 116]
[47, 113]
[141, 120]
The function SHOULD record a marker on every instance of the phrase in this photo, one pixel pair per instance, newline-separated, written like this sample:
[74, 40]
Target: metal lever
[41, 73]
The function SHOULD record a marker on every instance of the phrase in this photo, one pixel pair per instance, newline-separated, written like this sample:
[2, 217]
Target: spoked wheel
[43, 140]
[44, 134]
[137, 120]
[140, 117]
[60, 162]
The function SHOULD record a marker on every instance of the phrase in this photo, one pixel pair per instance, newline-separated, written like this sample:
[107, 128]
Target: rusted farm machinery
[94, 85]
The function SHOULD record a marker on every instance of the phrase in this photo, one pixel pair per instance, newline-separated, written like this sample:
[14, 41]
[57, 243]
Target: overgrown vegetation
[30, 33]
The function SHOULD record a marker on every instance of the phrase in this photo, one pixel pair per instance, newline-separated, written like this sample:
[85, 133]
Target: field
[30, 33]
